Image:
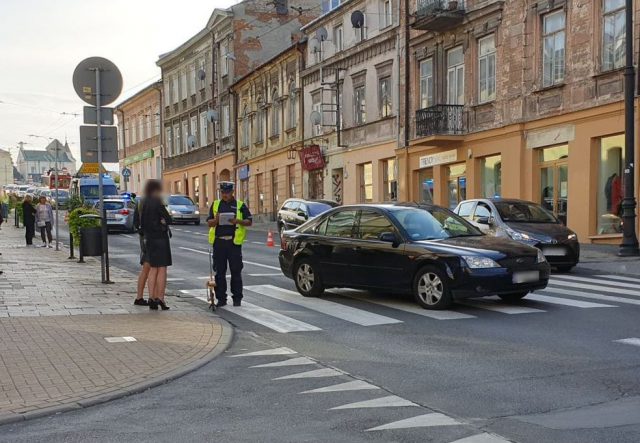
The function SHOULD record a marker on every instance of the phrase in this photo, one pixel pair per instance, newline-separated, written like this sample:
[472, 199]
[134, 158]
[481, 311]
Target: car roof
[499, 199]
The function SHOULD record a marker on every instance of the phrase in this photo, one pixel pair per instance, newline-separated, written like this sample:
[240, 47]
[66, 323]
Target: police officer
[228, 221]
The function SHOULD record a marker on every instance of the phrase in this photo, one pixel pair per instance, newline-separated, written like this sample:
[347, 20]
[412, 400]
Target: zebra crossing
[361, 308]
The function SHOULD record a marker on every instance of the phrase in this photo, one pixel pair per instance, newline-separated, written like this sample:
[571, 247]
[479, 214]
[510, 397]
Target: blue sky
[42, 41]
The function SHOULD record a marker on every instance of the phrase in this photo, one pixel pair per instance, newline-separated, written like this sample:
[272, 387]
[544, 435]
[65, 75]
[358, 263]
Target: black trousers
[31, 232]
[224, 251]
[45, 233]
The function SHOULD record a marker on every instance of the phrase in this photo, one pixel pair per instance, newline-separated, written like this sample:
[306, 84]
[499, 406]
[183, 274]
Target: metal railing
[430, 7]
[440, 120]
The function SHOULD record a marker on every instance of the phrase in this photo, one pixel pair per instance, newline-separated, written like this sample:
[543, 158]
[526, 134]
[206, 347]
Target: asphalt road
[551, 369]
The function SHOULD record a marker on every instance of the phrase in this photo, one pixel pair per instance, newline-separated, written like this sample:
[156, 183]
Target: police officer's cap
[226, 187]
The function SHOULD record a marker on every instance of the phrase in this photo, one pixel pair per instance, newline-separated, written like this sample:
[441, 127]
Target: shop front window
[457, 184]
[491, 172]
[554, 180]
[610, 184]
[425, 183]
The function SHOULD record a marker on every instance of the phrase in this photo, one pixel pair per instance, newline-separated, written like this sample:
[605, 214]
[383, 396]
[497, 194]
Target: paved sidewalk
[56, 317]
[605, 259]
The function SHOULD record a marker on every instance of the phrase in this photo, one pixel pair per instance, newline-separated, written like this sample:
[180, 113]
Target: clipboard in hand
[224, 217]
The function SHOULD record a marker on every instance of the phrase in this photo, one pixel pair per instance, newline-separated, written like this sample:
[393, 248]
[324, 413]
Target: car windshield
[112, 206]
[433, 224]
[523, 212]
[91, 191]
[180, 200]
[316, 209]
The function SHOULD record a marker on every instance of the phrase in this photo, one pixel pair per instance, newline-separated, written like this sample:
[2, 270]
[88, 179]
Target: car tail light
[123, 212]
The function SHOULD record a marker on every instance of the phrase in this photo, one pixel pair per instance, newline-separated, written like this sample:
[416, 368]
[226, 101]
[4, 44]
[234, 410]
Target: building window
[194, 129]
[360, 105]
[226, 129]
[183, 84]
[610, 184]
[275, 113]
[487, 68]
[455, 76]
[259, 128]
[426, 83]
[175, 89]
[196, 191]
[366, 183]
[361, 32]
[205, 189]
[386, 17]
[491, 176]
[169, 141]
[176, 139]
[384, 96]
[293, 106]
[390, 180]
[613, 34]
[245, 128]
[338, 37]
[316, 106]
[553, 42]
[204, 129]
[185, 136]
[202, 81]
[224, 58]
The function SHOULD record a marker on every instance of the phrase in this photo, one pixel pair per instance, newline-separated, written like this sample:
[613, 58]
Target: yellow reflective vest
[241, 231]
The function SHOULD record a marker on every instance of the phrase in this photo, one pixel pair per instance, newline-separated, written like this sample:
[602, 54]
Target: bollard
[15, 211]
[71, 256]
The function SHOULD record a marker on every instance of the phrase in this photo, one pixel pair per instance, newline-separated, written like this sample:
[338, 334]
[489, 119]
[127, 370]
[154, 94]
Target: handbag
[42, 224]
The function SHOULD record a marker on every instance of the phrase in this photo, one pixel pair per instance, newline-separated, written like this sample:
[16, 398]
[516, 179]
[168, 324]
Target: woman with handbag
[44, 221]
[155, 222]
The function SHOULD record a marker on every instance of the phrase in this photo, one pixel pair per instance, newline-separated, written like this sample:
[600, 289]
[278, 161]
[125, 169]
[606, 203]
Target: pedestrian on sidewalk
[228, 221]
[44, 221]
[29, 218]
[155, 229]
[144, 262]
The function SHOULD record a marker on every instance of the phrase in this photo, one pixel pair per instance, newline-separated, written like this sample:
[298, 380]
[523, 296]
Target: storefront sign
[311, 158]
[438, 159]
[138, 157]
[243, 172]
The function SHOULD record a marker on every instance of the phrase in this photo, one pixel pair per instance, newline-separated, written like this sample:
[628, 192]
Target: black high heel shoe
[162, 304]
[153, 304]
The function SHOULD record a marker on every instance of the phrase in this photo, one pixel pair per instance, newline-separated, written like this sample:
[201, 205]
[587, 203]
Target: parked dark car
[525, 222]
[427, 251]
[296, 211]
[182, 209]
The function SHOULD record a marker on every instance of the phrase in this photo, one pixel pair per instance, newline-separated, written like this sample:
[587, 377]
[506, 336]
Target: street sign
[89, 144]
[126, 172]
[84, 80]
[91, 118]
[90, 168]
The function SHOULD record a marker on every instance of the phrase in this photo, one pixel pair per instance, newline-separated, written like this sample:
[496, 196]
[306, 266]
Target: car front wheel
[431, 289]
[307, 278]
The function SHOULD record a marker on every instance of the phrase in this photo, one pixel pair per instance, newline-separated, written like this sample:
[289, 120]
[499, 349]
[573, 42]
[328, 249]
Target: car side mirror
[389, 237]
[302, 214]
[483, 220]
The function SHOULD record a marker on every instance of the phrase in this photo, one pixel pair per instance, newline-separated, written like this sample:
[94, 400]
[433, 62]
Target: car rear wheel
[514, 297]
[308, 279]
[431, 289]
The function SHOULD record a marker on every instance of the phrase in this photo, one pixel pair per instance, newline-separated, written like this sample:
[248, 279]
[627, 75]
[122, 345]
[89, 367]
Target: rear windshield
[180, 200]
[316, 209]
[523, 212]
[113, 206]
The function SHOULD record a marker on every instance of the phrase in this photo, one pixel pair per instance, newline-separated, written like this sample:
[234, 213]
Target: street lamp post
[629, 245]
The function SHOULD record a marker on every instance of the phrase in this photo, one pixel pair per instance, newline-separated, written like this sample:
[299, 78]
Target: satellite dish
[314, 45]
[357, 19]
[202, 74]
[191, 141]
[212, 116]
[315, 118]
[322, 34]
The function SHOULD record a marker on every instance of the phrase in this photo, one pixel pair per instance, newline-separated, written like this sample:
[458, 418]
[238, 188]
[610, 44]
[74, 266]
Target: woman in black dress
[29, 219]
[155, 222]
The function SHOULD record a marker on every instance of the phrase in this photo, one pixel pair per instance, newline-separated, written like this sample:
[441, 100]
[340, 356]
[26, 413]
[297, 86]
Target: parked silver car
[182, 209]
[119, 214]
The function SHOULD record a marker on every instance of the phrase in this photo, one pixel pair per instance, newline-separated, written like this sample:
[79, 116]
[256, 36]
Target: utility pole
[629, 245]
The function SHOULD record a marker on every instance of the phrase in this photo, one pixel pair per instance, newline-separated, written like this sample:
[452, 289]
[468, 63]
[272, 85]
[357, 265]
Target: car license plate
[554, 251]
[526, 276]
[111, 216]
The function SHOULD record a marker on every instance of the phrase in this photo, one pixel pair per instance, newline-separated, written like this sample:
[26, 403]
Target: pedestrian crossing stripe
[420, 421]
[619, 277]
[482, 438]
[611, 284]
[593, 287]
[491, 305]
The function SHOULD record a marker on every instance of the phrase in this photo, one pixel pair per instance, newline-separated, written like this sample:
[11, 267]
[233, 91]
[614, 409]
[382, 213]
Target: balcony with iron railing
[440, 120]
[439, 15]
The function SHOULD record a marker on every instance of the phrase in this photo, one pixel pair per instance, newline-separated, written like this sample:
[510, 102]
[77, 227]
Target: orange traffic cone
[270, 242]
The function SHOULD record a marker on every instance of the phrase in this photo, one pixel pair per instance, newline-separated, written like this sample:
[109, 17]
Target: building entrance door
[554, 181]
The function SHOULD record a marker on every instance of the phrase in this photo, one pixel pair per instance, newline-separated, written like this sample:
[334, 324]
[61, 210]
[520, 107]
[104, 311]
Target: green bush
[76, 223]
[74, 203]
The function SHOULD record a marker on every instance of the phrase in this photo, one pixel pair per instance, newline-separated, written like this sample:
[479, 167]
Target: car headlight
[196, 212]
[519, 236]
[541, 258]
[474, 262]
[572, 236]
[174, 212]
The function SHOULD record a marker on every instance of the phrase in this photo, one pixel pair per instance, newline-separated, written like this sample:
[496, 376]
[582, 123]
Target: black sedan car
[427, 251]
[525, 222]
[296, 211]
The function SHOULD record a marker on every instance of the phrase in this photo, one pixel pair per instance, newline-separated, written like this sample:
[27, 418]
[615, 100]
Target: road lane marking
[390, 401]
[316, 373]
[420, 421]
[482, 438]
[170, 279]
[126, 256]
[629, 341]
[356, 385]
[266, 275]
[275, 268]
[343, 312]
[503, 309]
[577, 285]
[619, 277]
[566, 301]
[613, 285]
[268, 318]
[407, 307]
[591, 295]
[276, 351]
[299, 361]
